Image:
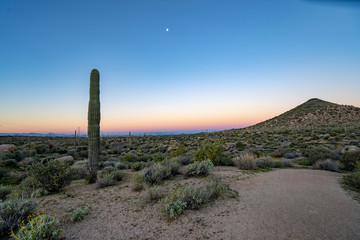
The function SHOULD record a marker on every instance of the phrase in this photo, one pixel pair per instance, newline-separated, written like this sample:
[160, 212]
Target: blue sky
[222, 64]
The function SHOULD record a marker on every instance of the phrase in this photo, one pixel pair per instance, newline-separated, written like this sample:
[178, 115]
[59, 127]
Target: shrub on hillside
[173, 164]
[350, 159]
[327, 164]
[12, 212]
[51, 176]
[264, 162]
[214, 153]
[245, 161]
[202, 168]
[321, 153]
[186, 159]
[353, 180]
[4, 191]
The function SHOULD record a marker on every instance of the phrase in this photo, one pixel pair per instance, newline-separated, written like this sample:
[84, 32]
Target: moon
[167, 29]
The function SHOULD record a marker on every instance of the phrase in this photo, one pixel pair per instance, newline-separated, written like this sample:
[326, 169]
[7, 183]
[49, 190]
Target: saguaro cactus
[94, 124]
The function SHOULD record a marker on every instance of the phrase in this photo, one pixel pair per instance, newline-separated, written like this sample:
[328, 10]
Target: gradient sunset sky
[223, 63]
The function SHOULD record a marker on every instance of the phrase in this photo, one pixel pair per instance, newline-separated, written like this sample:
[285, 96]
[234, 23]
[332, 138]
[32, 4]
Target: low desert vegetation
[327, 140]
[190, 197]
[352, 180]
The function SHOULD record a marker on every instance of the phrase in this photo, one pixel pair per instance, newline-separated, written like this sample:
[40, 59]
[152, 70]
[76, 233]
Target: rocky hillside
[314, 112]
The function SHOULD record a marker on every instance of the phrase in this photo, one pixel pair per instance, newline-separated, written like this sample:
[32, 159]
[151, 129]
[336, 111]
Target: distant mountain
[311, 113]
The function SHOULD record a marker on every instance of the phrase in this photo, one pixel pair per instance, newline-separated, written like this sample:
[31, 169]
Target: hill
[314, 112]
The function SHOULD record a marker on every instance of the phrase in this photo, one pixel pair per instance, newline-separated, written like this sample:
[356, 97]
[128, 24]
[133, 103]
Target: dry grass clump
[245, 161]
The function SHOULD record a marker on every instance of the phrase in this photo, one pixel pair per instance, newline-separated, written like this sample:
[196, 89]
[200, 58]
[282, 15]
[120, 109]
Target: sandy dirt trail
[280, 204]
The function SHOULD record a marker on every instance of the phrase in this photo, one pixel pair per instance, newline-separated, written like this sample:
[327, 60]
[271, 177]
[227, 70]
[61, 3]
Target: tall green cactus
[94, 125]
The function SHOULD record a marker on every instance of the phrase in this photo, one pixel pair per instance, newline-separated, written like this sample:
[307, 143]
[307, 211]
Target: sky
[222, 64]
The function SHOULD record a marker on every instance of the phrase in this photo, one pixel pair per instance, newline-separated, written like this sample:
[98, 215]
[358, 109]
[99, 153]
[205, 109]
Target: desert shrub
[202, 168]
[190, 197]
[321, 153]
[4, 191]
[51, 176]
[156, 174]
[186, 159]
[28, 186]
[240, 146]
[279, 152]
[3, 173]
[287, 163]
[79, 172]
[79, 214]
[278, 164]
[173, 164]
[304, 162]
[175, 208]
[153, 194]
[138, 181]
[352, 180]
[245, 161]
[12, 212]
[264, 162]
[40, 149]
[290, 155]
[12, 163]
[214, 153]
[180, 150]
[130, 158]
[109, 176]
[39, 227]
[122, 165]
[327, 164]
[137, 166]
[350, 159]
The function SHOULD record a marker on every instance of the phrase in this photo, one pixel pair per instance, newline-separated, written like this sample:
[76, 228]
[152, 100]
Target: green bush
[109, 176]
[321, 153]
[278, 164]
[156, 174]
[138, 181]
[240, 146]
[350, 159]
[264, 162]
[137, 166]
[173, 164]
[352, 180]
[79, 214]
[4, 191]
[39, 227]
[202, 168]
[214, 153]
[153, 194]
[180, 150]
[3, 173]
[186, 159]
[190, 197]
[175, 208]
[12, 163]
[12, 212]
[51, 176]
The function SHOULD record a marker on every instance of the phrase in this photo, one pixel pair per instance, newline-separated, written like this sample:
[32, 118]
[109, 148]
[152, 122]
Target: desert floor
[280, 204]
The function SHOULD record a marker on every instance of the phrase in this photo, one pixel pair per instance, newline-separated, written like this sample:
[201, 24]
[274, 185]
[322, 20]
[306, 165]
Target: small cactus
[94, 125]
